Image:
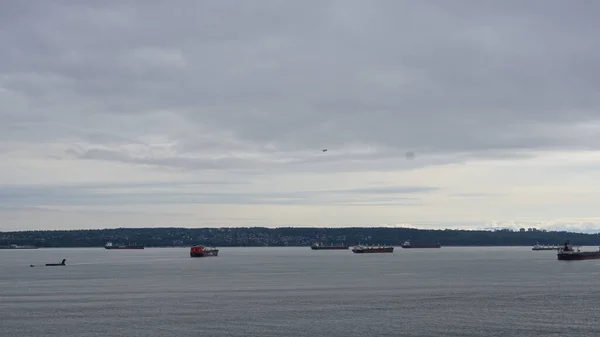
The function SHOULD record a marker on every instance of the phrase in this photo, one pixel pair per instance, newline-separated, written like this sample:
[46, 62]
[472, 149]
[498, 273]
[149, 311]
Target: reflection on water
[297, 292]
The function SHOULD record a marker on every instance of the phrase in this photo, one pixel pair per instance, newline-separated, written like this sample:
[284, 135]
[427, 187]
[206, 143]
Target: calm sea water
[298, 292]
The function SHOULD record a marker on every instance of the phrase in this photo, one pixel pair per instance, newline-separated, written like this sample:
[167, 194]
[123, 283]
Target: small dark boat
[408, 244]
[62, 263]
[201, 251]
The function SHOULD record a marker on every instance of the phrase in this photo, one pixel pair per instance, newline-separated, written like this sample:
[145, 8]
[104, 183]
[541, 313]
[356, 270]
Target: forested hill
[258, 236]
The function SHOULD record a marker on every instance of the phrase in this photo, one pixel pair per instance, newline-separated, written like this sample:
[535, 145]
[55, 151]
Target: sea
[280, 291]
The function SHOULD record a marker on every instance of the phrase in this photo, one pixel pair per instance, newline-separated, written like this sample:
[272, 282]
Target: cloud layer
[246, 94]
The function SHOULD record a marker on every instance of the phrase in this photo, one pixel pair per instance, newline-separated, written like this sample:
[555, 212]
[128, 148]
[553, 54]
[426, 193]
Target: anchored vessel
[537, 246]
[109, 245]
[567, 253]
[18, 247]
[320, 246]
[408, 244]
[201, 251]
[361, 249]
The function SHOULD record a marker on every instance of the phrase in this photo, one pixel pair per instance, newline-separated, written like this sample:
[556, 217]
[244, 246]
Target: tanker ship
[537, 246]
[109, 245]
[18, 247]
[201, 251]
[363, 249]
[567, 253]
[320, 246]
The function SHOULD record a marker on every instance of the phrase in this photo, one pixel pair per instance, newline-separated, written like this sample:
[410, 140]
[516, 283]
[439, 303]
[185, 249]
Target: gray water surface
[298, 292]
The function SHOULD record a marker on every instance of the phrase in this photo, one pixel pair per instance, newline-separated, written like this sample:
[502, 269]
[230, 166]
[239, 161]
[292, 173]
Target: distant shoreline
[170, 237]
[396, 246]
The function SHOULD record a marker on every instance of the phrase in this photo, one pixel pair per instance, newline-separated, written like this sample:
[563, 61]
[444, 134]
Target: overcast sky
[215, 113]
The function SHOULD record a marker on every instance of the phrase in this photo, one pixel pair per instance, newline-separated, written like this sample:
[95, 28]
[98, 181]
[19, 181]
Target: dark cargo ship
[320, 246]
[408, 244]
[201, 251]
[109, 245]
[567, 253]
[361, 249]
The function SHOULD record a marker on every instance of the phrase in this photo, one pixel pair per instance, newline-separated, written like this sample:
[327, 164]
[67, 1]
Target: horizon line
[537, 230]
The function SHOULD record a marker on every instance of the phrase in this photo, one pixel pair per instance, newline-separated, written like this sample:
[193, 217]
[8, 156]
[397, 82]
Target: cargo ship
[363, 249]
[567, 253]
[320, 246]
[201, 251]
[408, 244]
[537, 246]
[109, 245]
[18, 247]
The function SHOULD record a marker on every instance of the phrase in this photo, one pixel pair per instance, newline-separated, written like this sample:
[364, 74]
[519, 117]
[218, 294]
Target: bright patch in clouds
[123, 113]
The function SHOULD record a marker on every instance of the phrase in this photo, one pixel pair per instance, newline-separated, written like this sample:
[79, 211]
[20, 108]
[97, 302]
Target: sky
[193, 113]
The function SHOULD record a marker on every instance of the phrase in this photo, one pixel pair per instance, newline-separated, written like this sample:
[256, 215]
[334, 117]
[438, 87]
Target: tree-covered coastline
[288, 236]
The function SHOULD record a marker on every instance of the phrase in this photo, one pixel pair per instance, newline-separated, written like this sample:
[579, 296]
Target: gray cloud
[477, 195]
[391, 190]
[259, 88]
[201, 192]
[429, 77]
[214, 159]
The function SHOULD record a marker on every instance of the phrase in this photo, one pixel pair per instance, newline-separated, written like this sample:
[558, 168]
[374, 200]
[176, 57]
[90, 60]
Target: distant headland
[289, 236]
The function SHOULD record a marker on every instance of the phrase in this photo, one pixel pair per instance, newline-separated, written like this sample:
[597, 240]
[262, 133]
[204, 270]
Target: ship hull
[330, 248]
[372, 251]
[124, 247]
[579, 256]
[420, 246]
[205, 253]
[18, 247]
